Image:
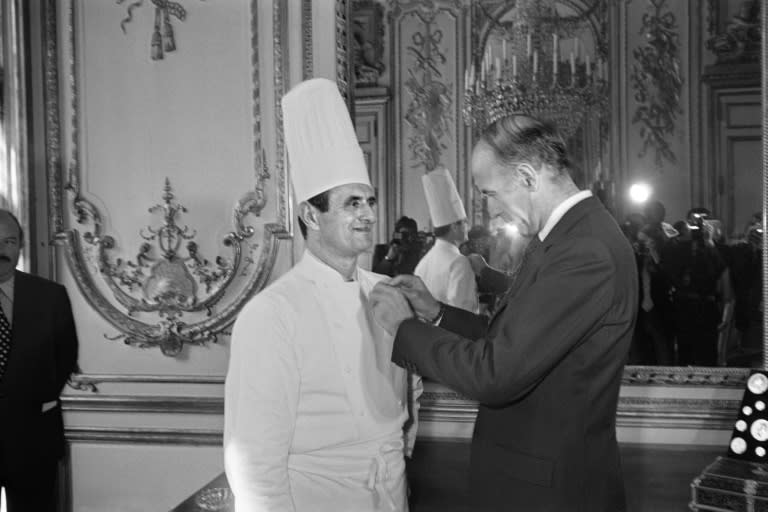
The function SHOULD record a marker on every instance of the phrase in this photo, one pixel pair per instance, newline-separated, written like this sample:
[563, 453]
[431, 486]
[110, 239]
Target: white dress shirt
[561, 210]
[314, 408]
[448, 276]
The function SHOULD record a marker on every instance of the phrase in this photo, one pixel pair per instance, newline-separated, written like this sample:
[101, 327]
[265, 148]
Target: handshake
[397, 299]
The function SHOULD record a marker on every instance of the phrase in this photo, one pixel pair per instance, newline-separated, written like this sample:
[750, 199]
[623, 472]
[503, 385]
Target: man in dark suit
[547, 367]
[38, 352]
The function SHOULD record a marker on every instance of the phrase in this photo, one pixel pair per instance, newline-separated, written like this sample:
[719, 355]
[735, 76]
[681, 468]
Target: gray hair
[520, 138]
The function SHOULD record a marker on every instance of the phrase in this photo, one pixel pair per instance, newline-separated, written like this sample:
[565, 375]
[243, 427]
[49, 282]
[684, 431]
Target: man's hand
[389, 307]
[478, 263]
[418, 296]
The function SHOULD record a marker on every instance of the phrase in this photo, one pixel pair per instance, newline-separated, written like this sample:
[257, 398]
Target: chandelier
[540, 62]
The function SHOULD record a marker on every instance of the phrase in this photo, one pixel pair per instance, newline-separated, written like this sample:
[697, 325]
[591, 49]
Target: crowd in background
[700, 291]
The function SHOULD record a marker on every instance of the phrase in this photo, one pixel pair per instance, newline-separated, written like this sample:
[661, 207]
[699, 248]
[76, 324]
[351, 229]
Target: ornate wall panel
[428, 56]
[172, 204]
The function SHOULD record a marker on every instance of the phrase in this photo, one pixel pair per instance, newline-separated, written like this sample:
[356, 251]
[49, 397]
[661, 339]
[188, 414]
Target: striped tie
[5, 341]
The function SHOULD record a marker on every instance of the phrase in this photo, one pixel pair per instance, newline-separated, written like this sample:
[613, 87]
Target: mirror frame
[652, 396]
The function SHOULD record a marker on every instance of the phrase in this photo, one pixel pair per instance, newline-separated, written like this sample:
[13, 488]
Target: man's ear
[309, 214]
[529, 178]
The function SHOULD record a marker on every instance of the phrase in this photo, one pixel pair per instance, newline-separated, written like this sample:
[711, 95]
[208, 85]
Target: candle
[535, 61]
[466, 78]
[504, 49]
[529, 45]
[554, 56]
[514, 66]
[576, 46]
[589, 71]
[497, 63]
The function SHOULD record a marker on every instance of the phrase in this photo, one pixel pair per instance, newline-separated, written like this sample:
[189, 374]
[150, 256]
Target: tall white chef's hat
[445, 205]
[322, 147]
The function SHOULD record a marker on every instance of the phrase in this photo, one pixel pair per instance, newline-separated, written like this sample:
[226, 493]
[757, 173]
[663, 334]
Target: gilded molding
[279, 30]
[306, 40]
[52, 126]
[343, 75]
[168, 336]
[684, 376]
[144, 404]
[162, 436]
[444, 405]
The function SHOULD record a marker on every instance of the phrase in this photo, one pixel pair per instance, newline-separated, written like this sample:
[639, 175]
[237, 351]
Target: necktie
[5, 341]
[532, 245]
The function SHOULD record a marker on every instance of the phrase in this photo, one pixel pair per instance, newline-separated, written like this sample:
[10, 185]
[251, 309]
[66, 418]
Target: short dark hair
[520, 138]
[18, 224]
[406, 222]
[321, 202]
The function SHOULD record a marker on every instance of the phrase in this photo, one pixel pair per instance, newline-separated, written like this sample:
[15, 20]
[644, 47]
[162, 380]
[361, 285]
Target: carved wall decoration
[169, 284]
[429, 109]
[428, 51]
[344, 76]
[306, 41]
[367, 42]
[163, 40]
[738, 39]
[657, 82]
[170, 293]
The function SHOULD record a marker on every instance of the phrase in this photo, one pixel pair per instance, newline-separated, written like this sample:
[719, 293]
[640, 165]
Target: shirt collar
[447, 245]
[560, 210]
[317, 270]
[6, 287]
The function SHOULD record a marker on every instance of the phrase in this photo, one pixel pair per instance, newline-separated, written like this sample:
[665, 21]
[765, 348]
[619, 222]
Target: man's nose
[368, 213]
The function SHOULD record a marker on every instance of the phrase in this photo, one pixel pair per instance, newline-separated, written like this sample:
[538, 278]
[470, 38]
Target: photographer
[403, 252]
[701, 291]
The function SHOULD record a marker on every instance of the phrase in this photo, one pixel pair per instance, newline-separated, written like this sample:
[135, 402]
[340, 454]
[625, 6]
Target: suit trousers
[31, 492]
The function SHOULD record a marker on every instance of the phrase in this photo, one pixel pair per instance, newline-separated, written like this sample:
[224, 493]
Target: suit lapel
[532, 258]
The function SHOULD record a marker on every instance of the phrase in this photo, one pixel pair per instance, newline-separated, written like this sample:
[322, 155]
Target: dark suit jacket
[43, 355]
[546, 370]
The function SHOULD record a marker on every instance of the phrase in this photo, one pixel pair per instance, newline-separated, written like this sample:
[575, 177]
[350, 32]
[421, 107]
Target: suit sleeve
[66, 339]
[539, 327]
[462, 287]
[261, 397]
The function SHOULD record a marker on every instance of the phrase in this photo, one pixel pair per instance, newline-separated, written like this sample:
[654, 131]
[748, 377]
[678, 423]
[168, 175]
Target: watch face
[758, 383]
[759, 429]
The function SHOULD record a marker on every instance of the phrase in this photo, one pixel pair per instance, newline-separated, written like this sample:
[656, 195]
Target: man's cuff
[436, 320]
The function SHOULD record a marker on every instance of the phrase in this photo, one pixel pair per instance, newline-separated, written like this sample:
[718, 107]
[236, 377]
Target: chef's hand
[422, 302]
[389, 307]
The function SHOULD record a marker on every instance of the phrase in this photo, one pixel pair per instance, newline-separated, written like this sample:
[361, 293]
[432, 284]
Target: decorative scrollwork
[168, 284]
[657, 82]
[740, 39]
[169, 277]
[429, 112]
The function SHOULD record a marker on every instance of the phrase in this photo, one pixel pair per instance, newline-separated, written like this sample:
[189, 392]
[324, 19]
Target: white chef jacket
[314, 408]
[448, 276]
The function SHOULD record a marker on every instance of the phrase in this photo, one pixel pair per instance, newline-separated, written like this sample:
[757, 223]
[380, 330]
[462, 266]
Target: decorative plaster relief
[159, 298]
[163, 40]
[657, 81]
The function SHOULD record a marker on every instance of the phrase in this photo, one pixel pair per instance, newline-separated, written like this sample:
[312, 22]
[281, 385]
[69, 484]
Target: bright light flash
[639, 192]
[511, 230]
